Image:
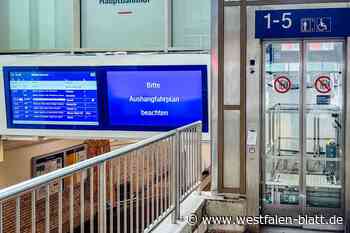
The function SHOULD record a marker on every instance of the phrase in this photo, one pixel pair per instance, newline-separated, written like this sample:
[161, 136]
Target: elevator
[303, 127]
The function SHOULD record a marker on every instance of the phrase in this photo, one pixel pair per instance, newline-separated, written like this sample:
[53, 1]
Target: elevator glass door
[303, 125]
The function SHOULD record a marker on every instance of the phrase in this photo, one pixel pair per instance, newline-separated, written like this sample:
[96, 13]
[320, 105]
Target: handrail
[188, 126]
[169, 165]
[47, 178]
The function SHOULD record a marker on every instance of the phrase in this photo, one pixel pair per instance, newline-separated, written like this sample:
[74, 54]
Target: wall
[19, 24]
[17, 165]
[48, 24]
[123, 26]
[206, 156]
[4, 30]
[36, 24]
[191, 24]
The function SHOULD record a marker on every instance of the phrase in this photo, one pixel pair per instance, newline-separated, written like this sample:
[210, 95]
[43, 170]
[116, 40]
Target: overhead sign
[331, 22]
[100, 15]
[323, 84]
[282, 84]
[122, 1]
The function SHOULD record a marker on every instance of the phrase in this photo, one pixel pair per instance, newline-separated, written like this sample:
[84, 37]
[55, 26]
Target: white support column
[253, 118]
[168, 24]
[214, 96]
[76, 24]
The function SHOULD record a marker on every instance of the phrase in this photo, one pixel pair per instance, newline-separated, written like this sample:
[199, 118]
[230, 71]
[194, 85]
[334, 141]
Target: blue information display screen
[53, 98]
[155, 98]
[127, 98]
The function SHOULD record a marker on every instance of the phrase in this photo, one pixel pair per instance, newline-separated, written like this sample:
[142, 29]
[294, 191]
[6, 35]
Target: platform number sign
[285, 22]
[282, 84]
[294, 23]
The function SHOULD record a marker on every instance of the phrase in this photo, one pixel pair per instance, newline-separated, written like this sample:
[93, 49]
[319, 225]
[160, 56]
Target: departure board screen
[67, 97]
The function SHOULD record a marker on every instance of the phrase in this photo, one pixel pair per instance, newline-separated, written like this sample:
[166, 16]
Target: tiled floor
[289, 230]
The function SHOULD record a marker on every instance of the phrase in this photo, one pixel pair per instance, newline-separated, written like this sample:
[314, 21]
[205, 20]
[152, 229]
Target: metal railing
[129, 190]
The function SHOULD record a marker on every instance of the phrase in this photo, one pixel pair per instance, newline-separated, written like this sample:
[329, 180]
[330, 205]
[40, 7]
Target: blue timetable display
[53, 98]
[155, 98]
[121, 98]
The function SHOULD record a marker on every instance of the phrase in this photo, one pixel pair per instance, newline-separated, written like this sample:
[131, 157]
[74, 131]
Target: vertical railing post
[33, 212]
[1, 219]
[199, 146]
[18, 214]
[102, 198]
[175, 175]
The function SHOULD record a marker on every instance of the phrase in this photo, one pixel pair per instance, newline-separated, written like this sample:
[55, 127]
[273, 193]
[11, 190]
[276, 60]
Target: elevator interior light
[317, 46]
[287, 47]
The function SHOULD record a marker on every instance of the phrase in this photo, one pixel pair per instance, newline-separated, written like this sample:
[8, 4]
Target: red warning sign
[282, 84]
[323, 84]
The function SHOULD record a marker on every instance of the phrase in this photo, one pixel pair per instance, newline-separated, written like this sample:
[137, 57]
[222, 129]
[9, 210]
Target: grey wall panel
[191, 27]
[4, 24]
[232, 149]
[64, 31]
[19, 24]
[232, 56]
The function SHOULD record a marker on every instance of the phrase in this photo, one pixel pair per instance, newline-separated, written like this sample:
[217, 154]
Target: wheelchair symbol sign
[323, 24]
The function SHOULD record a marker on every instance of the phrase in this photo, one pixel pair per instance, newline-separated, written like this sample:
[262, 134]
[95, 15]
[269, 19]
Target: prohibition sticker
[323, 84]
[282, 84]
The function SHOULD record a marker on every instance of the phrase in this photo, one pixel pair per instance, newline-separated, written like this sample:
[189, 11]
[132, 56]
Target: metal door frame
[302, 122]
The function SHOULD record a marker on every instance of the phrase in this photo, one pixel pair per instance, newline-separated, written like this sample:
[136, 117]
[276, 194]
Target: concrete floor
[290, 230]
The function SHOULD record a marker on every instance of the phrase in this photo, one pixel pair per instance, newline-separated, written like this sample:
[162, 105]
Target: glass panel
[324, 84]
[282, 92]
[135, 25]
[191, 22]
[232, 56]
[36, 24]
[232, 149]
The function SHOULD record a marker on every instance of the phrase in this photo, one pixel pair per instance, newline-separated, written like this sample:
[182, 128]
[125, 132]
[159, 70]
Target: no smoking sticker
[282, 84]
[323, 84]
